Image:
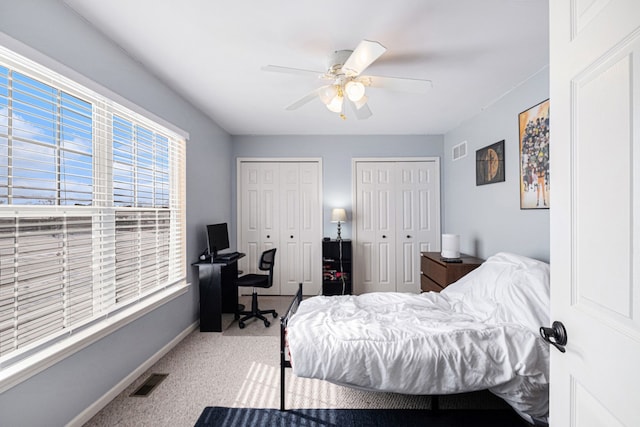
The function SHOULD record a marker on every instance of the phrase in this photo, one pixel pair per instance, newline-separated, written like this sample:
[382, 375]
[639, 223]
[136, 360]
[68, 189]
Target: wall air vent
[149, 385]
[459, 151]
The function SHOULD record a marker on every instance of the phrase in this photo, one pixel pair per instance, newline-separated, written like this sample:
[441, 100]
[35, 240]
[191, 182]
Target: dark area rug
[220, 416]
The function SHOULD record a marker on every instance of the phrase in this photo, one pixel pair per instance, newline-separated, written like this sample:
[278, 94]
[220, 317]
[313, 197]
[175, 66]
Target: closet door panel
[309, 235]
[428, 207]
[375, 221]
[259, 225]
[366, 263]
[385, 240]
[270, 185]
[407, 274]
[249, 227]
[290, 220]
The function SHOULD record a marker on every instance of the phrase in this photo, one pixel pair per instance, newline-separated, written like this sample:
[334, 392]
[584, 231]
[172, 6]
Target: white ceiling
[211, 52]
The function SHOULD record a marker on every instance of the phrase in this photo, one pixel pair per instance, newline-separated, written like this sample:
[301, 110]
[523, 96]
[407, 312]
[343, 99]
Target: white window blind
[92, 211]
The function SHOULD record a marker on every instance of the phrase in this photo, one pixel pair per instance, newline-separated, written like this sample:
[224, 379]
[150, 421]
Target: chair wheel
[267, 323]
[275, 314]
[241, 324]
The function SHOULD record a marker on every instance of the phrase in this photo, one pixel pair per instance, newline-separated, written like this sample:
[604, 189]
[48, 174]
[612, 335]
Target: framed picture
[490, 164]
[534, 157]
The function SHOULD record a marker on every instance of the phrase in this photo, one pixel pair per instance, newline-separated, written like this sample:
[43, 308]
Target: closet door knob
[408, 236]
[291, 236]
[268, 236]
[384, 236]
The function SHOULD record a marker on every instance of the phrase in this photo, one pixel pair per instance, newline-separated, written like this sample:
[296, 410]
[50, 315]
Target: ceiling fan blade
[398, 84]
[305, 99]
[366, 52]
[362, 112]
[289, 70]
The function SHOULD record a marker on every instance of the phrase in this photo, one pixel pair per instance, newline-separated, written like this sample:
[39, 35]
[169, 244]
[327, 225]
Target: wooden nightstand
[437, 275]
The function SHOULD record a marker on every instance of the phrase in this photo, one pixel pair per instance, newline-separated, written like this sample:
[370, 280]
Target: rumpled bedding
[480, 332]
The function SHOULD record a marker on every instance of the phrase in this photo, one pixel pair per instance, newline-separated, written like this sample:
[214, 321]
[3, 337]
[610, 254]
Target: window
[91, 208]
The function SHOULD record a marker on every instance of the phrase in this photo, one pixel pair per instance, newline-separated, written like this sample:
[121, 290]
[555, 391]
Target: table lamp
[338, 215]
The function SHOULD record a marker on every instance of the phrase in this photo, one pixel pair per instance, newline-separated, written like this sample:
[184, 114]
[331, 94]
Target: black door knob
[556, 335]
[268, 236]
[384, 236]
[291, 236]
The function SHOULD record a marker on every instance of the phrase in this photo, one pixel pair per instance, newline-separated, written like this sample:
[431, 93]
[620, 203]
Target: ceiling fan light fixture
[335, 104]
[354, 90]
[327, 93]
[345, 81]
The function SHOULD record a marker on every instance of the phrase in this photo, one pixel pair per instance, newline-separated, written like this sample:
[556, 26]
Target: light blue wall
[488, 217]
[336, 153]
[58, 394]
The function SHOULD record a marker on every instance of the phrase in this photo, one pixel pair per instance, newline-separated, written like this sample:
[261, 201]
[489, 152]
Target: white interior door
[417, 219]
[375, 227]
[300, 218]
[259, 226]
[397, 215]
[595, 212]
[279, 205]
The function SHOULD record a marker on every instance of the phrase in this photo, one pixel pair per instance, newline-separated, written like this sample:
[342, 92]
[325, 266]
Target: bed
[481, 332]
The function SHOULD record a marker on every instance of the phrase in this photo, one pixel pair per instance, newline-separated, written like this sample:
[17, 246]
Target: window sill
[30, 366]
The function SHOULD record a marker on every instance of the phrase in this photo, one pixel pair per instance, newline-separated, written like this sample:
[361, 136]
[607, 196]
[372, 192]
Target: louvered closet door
[397, 217]
[259, 224]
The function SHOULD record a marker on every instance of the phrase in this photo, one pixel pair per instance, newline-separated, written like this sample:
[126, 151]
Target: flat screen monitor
[217, 238]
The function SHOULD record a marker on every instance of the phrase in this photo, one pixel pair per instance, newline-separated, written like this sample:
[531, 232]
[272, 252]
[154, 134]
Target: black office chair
[267, 260]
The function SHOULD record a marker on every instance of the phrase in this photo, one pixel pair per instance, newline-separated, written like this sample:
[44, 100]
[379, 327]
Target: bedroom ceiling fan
[346, 84]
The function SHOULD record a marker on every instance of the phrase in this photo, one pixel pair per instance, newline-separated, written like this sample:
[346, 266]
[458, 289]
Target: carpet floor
[231, 417]
[239, 368]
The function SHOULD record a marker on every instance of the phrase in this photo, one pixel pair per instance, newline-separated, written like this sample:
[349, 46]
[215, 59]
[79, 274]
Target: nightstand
[435, 274]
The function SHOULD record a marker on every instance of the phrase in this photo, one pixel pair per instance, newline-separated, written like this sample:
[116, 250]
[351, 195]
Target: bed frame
[284, 320]
[286, 363]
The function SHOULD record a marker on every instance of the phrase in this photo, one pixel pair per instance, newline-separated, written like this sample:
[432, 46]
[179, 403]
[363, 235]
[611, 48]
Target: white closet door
[280, 206]
[375, 246]
[417, 220]
[397, 217]
[289, 258]
[300, 195]
[259, 225]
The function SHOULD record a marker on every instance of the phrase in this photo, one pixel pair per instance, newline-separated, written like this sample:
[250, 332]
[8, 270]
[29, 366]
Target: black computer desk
[218, 291]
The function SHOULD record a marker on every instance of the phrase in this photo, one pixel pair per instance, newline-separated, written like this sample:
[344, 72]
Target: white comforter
[479, 333]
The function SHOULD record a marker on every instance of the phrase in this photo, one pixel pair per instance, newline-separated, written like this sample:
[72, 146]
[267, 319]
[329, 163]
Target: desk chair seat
[267, 260]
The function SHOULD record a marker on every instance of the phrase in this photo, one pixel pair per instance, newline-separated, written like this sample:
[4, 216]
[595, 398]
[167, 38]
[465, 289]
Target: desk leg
[210, 285]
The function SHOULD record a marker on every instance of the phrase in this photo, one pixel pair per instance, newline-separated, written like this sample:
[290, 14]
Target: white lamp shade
[336, 104]
[327, 93]
[450, 246]
[338, 215]
[354, 90]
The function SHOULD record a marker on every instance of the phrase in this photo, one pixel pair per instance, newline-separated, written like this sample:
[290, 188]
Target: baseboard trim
[96, 406]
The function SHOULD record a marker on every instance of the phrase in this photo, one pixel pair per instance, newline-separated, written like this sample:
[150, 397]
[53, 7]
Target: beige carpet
[222, 369]
[255, 327]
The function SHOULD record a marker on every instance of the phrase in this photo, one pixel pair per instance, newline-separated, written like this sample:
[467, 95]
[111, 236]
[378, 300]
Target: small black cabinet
[336, 267]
